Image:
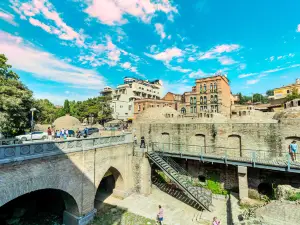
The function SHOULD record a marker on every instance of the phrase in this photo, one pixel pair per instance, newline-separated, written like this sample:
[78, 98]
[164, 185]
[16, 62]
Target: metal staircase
[181, 178]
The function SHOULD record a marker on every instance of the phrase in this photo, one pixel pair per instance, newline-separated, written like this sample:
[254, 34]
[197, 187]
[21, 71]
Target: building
[169, 100]
[211, 94]
[124, 96]
[235, 99]
[279, 98]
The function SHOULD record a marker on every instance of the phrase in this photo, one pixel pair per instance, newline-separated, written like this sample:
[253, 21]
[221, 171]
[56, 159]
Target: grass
[213, 184]
[119, 217]
[294, 197]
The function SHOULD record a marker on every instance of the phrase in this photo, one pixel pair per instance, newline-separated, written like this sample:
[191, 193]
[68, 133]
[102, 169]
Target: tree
[15, 100]
[46, 111]
[270, 92]
[67, 107]
[293, 95]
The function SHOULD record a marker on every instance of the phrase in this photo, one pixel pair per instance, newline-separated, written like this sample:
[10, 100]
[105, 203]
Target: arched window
[216, 98]
[215, 87]
[201, 100]
[211, 87]
[204, 87]
[183, 110]
[212, 108]
[200, 88]
[195, 101]
[191, 100]
[216, 108]
[205, 100]
[211, 99]
[195, 109]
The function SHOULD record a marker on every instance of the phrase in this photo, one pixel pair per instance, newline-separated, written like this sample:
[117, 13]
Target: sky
[72, 49]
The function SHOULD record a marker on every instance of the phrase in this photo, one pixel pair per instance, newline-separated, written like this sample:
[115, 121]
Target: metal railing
[247, 155]
[10, 141]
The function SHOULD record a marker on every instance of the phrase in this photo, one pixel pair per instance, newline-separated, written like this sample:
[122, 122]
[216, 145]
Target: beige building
[211, 94]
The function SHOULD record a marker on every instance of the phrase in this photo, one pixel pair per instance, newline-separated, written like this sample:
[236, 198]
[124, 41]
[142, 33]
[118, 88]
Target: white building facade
[124, 95]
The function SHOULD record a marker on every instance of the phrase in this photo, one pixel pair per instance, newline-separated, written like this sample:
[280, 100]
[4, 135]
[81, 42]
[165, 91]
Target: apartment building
[124, 96]
[211, 94]
[169, 100]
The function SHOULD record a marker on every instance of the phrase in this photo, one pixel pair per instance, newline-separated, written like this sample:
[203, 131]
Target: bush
[294, 197]
[213, 184]
[252, 193]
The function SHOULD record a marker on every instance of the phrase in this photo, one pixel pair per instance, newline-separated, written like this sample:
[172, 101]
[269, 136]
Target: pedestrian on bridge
[293, 148]
[143, 145]
[49, 134]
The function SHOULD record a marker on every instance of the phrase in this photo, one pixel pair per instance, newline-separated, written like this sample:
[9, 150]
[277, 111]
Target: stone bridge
[75, 169]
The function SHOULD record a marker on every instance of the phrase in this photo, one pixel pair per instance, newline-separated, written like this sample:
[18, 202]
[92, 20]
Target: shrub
[294, 197]
[252, 193]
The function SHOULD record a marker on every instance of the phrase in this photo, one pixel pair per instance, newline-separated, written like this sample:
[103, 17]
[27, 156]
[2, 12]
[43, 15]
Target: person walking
[293, 148]
[57, 134]
[160, 215]
[143, 145]
[215, 221]
[67, 132]
[53, 134]
[49, 134]
[135, 140]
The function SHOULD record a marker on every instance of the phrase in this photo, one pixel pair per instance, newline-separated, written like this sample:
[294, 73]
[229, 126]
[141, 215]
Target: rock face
[279, 213]
[284, 191]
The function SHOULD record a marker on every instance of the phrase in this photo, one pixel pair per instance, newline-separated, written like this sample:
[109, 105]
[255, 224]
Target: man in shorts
[293, 148]
[160, 215]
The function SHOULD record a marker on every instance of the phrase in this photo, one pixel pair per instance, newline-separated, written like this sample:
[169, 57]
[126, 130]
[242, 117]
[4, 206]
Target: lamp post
[32, 110]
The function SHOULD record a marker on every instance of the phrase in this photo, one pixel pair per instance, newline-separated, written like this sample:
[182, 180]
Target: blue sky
[73, 48]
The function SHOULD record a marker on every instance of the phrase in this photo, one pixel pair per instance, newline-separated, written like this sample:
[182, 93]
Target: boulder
[284, 191]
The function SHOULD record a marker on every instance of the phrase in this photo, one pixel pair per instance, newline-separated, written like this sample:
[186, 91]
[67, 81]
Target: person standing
[57, 134]
[62, 132]
[49, 134]
[53, 134]
[293, 148]
[143, 145]
[160, 215]
[215, 221]
[135, 139]
[67, 132]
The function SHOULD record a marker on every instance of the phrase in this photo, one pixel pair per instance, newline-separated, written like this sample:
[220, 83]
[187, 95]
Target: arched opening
[265, 189]
[197, 143]
[288, 141]
[37, 207]
[234, 145]
[183, 111]
[202, 178]
[165, 140]
[112, 183]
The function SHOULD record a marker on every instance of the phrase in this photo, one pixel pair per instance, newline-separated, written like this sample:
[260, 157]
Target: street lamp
[32, 110]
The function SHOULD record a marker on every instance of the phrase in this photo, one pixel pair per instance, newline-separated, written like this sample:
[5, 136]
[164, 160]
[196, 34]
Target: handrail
[202, 196]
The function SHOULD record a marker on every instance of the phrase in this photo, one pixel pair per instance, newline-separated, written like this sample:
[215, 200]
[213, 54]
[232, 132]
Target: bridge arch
[49, 201]
[112, 183]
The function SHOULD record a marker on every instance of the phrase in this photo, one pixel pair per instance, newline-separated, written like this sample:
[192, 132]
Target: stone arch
[71, 196]
[112, 183]
[49, 200]
[234, 145]
[165, 141]
[197, 143]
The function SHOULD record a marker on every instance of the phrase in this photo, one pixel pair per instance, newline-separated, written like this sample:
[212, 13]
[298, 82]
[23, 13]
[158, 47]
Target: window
[212, 108]
[201, 108]
[204, 87]
[121, 106]
[215, 87]
[205, 100]
[201, 100]
[191, 100]
[157, 106]
[211, 99]
[200, 88]
[126, 114]
[195, 101]
[192, 109]
[216, 98]
[288, 91]
[211, 87]
[129, 107]
[195, 109]
[183, 110]
[139, 107]
[217, 108]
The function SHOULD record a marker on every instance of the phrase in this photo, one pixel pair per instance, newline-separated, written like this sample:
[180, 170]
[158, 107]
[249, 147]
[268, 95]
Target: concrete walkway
[175, 211]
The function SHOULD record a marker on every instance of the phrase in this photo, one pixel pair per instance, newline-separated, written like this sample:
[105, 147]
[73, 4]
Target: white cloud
[243, 66]
[8, 17]
[178, 69]
[298, 28]
[113, 12]
[160, 30]
[272, 58]
[252, 81]
[191, 59]
[167, 55]
[180, 60]
[247, 75]
[225, 60]
[217, 51]
[177, 87]
[24, 57]
[197, 74]
[44, 8]
[169, 37]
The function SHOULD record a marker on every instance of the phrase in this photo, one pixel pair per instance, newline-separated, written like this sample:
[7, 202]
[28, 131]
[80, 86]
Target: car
[36, 135]
[91, 130]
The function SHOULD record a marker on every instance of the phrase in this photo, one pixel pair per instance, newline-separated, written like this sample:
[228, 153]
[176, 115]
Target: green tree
[15, 100]
[270, 92]
[67, 107]
[46, 111]
[295, 94]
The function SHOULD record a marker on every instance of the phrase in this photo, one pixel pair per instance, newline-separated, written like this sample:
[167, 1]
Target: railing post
[288, 162]
[201, 154]
[226, 156]
[253, 158]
